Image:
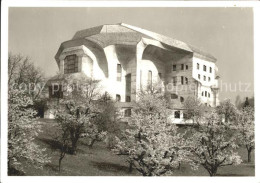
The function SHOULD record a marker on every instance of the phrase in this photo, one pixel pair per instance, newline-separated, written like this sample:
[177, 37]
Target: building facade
[127, 59]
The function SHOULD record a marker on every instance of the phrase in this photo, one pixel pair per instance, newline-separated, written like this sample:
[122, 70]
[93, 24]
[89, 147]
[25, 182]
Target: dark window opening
[174, 96]
[128, 99]
[187, 67]
[208, 78]
[182, 80]
[204, 78]
[127, 112]
[202, 93]
[210, 69]
[174, 67]
[182, 66]
[177, 114]
[204, 68]
[186, 81]
[199, 76]
[198, 66]
[209, 95]
[181, 99]
[206, 93]
[118, 98]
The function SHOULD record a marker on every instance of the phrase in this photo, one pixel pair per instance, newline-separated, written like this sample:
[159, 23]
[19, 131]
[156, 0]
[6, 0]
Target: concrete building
[127, 58]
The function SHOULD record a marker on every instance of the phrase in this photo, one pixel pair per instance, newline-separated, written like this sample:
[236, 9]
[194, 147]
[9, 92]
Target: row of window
[174, 67]
[184, 80]
[204, 68]
[206, 94]
[204, 78]
[127, 98]
[175, 96]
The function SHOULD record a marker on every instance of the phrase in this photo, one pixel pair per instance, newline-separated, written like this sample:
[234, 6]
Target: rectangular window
[128, 99]
[119, 72]
[187, 67]
[182, 66]
[182, 80]
[70, 64]
[206, 94]
[127, 112]
[210, 69]
[204, 68]
[174, 80]
[198, 66]
[150, 75]
[199, 76]
[174, 67]
[209, 95]
[204, 78]
[208, 78]
[186, 81]
[177, 114]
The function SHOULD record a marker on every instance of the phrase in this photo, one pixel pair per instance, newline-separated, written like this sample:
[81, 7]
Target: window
[205, 93]
[182, 80]
[118, 98]
[119, 72]
[127, 112]
[208, 78]
[174, 80]
[209, 95]
[177, 114]
[150, 75]
[186, 81]
[210, 69]
[198, 66]
[181, 99]
[204, 68]
[182, 66]
[174, 96]
[70, 64]
[187, 67]
[199, 76]
[128, 99]
[174, 67]
[202, 93]
[204, 78]
[55, 91]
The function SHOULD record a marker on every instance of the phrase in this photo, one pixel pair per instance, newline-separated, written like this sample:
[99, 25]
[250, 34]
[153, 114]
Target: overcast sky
[226, 33]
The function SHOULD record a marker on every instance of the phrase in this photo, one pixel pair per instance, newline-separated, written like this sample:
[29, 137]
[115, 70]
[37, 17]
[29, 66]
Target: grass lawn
[100, 161]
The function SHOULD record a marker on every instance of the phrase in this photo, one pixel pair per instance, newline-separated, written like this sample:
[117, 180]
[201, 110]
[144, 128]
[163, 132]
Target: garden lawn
[100, 161]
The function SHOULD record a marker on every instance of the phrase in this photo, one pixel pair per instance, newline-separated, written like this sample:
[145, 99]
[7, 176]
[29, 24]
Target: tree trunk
[130, 167]
[249, 155]
[74, 147]
[60, 163]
